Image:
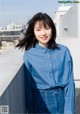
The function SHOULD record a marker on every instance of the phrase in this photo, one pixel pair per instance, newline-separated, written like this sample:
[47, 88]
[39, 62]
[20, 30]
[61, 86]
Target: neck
[43, 45]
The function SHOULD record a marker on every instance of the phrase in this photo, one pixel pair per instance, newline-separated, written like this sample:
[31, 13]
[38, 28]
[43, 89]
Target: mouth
[44, 38]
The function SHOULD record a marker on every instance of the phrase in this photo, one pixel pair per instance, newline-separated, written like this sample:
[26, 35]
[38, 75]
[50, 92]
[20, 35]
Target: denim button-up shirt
[52, 68]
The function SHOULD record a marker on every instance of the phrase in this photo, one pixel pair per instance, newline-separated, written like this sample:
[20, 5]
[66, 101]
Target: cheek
[36, 33]
[50, 33]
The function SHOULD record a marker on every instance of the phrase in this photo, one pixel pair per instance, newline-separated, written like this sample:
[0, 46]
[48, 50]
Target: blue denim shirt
[52, 68]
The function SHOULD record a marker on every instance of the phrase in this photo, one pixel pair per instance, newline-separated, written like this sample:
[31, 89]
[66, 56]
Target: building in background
[9, 35]
[10, 32]
[67, 20]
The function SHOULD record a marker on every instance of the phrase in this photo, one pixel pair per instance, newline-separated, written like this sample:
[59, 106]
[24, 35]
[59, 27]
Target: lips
[44, 38]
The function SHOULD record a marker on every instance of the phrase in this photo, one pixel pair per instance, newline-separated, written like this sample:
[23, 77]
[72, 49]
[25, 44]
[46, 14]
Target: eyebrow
[37, 27]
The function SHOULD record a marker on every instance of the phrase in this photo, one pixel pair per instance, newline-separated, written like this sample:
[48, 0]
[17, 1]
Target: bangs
[45, 22]
[44, 19]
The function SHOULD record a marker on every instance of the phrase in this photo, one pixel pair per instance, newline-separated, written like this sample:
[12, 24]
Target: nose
[43, 32]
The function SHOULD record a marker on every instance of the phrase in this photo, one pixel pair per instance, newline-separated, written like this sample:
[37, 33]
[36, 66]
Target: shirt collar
[43, 49]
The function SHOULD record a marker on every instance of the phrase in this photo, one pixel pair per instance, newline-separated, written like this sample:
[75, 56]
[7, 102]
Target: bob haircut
[29, 39]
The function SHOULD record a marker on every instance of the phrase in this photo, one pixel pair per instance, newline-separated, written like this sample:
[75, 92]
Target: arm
[69, 107]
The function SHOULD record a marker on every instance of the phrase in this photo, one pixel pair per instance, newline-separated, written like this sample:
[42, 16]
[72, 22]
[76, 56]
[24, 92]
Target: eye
[47, 27]
[38, 29]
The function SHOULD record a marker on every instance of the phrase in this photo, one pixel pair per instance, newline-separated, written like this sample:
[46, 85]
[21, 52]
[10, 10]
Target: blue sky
[20, 11]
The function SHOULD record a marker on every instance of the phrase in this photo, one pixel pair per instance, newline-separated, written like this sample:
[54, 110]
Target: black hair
[29, 39]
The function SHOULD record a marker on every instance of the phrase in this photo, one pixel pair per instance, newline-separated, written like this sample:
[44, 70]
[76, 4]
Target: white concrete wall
[58, 14]
[57, 17]
[69, 21]
[79, 20]
[10, 63]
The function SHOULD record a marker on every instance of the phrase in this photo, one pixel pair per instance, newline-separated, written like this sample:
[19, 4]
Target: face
[42, 34]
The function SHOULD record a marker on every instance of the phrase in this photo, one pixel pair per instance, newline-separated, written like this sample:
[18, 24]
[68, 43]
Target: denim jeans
[50, 101]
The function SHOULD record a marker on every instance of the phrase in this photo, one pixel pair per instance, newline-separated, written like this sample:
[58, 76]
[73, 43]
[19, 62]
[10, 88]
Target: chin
[45, 41]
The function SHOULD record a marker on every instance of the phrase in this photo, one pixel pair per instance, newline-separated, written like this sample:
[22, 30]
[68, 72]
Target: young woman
[49, 69]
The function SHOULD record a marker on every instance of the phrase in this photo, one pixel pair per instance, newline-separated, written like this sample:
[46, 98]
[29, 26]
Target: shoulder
[28, 53]
[64, 49]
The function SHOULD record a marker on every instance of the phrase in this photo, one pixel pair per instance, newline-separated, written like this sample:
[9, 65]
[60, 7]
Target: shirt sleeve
[69, 107]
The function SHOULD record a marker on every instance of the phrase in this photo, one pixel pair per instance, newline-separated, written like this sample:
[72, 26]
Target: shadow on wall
[14, 95]
[77, 100]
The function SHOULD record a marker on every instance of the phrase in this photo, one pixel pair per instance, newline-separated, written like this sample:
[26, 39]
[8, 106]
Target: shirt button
[51, 74]
[48, 55]
[50, 64]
